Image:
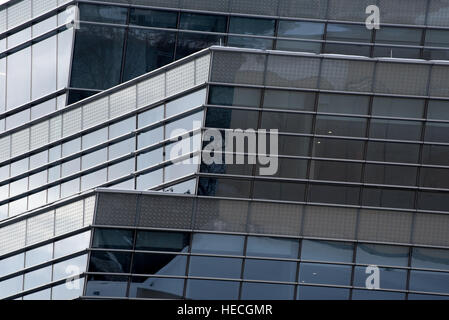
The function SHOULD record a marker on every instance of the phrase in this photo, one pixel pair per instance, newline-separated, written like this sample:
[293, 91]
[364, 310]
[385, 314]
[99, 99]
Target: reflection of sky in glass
[3, 1]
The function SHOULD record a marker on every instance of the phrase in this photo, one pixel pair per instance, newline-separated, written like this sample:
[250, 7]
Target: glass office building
[93, 184]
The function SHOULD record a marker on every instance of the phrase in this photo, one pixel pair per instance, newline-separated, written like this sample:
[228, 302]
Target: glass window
[122, 148]
[389, 278]
[347, 49]
[279, 191]
[159, 264]
[40, 295]
[433, 201]
[341, 126]
[376, 295]
[37, 278]
[65, 40]
[107, 261]
[97, 57]
[270, 270]
[395, 107]
[149, 138]
[148, 50]
[293, 100]
[44, 68]
[43, 109]
[69, 268]
[290, 168]
[224, 187]
[93, 179]
[18, 207]
[19, 37]
[230, 96]
[315, 273]
[106, 286]
[45, 26]
[272, 247]
[215, 267]
[103, 13]
[437, 38]
[338, 148]
[19, 167]
[438, 110]
[429, 281]
[265, 291]
[94, 138]
[212, 290]
[61, 292]
[19, 78]
[113, 239]
[388, 198]
[336, 171]
[71, 245]
[71, 167]
[437, 132]
[347, 104]
[156, 288]
[394, 175]
[250, 42]
[17, 119]
[327, 251]
[287, 122]
[39, 255]
[348, 32]
[393, 152]
[321, 193]
[71, 147]
[18, 187]
[123, 127]
[298, 46]
[301, 29]
[149, 180]
[217, 244]
[162, 241]
[11, 286]
[11, 264]
[434, 178]
[185, 103]
[415, 296]
[231, 119]
[93, 159]
[383, 255]
[430, 258]
[149, 159]
[396, 52]
[121, 169]
[203, 22]
[261, 27]
[394, 35]
[189, 43]
[154, 18]
[322, 293]
[151, 116]
[188, 123]
[395, 129]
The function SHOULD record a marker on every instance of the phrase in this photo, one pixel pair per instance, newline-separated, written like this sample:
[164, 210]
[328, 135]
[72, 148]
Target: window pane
[114, 262]
[39, 255]
[394, 175]
[382, 255]
[314, 273]
[19, 78]
[231, 119]
[293, 100]
[106, 286]
[430, 258]
[298, 46]
[376, 295]
[261, 27]
[212, 290]
[348, 32]
[71, 245]
[348, 104]
[341, 126]
[44, 68]
[279, 191]
[185, 103]
[11, 264]
[156, 288]
[438, 110]
[203, 22]
[215, 267]
[250, 42]
[162, 241]
[287, 122]
[189, 43]
[69, 268]
[389, 278]
[154, 18]
[94, 138]
[265, 291]
[217, 244]
[394, 107]
[321, 193]
[437, 132]
[37, 278]
[404, 36]
[393, 152]
[102, 13]
[10, 287]
[230, 96]
[62, 293]
[272, 247]
[338, 148]
[224, 188]
[429, 281]
[388, 198]
[336, 171]
[322, 293]
[159, 264]
[113, 239]
[327, 251]
[395, 129]
[151, 116]
[301, 29]
[270, 270]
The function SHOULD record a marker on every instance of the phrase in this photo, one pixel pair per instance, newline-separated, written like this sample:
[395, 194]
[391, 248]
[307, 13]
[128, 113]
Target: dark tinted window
[203, 22]
[394, 107]
[113, 239]
[153, 18]
[338, 103]
[438, 110]
[159, 264]
[395, 129]
[334, 194]
[101, 13]
[279, 191]
[261, 27]
[224, 187]
[336, 171]
[394, 175]
[389, 198]
[338, 148]
[114, 262]
[231, 96]
[348, 32]
[405, 36]
[231, 119]
[294, 100]
[189, 43]
[162, 241]
[287, 122]
[341, 126]
[301, 29]
[393, 152]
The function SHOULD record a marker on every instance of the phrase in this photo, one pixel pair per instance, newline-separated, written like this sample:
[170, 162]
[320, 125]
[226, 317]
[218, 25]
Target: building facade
[363, 125]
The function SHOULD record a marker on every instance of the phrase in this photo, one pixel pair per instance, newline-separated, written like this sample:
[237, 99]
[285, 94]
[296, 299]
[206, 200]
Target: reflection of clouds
[3, 74]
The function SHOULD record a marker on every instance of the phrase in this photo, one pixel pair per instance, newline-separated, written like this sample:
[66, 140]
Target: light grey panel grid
[71, 122]
[263, 7]
[150, 90]
[329, 222]
[216, 5]
[69, 218]
[95, 112]
[221, 215]
[439, 81]
[431, 229]
[5, 146]
[55, 128]
[40, 228]
[123, 101]
[116, 209]
[89, 210]
[402, 78]
[39, 135]
[303, 8]
[2, 21]
[403, 11]
[237, 67]
[349, 10]
[275, 218]
[202, 66]
[347, 75]
[160, 212]
[180, 78]
[288, 71]
[19, 13]
[20, 142]
[438, 13]
[12, 237]
[41, 6]
[385, 226]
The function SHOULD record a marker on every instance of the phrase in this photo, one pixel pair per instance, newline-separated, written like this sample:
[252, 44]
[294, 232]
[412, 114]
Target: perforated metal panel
[202, 67]
[41, 6]
[403, 11]
[18, 13]
[71, 122]
[347, 75]
[287, 71]
[329, 222]
[348, 10]
[180, 78]
[431, 229]
[165, 212]
[12, 237]
[40, 228]
[39, 135]
[275, 218]
[303, 8]
[69, 218]
[95, 112]
[402, 78]
[3, 26]
[238, 67]
[5, 146]
[438, 14]
[263, 7]
[155, 3]
[385, 226]
[55, 128]
[151, 90]
[89, 210]
[439, 81]
[20, 142]
[216, 5]
[122, 102]
[116, 209]
[221, 215]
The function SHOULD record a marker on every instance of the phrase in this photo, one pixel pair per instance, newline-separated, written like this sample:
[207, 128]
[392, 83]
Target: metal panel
[96, 112]
[349, 10]
[388, 226]
[207, 5]
[439, 81]
[69, 218]
[438, 14]
[221, 215]
[40, 228]
[18, 13]
[330, 222]
[303, 8]
[263, 7]
[116, 209]
[347, 75]
[20, 142]
[122, 102]
[431, 229]
[89, 210]
[202, 67]
[150, 90]
[403, 11]
[41, 6]
[180, 78]
[71, 122]
[39, 135]
[12, 237]
[55, 128]
[5, 146]
[275, 218]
